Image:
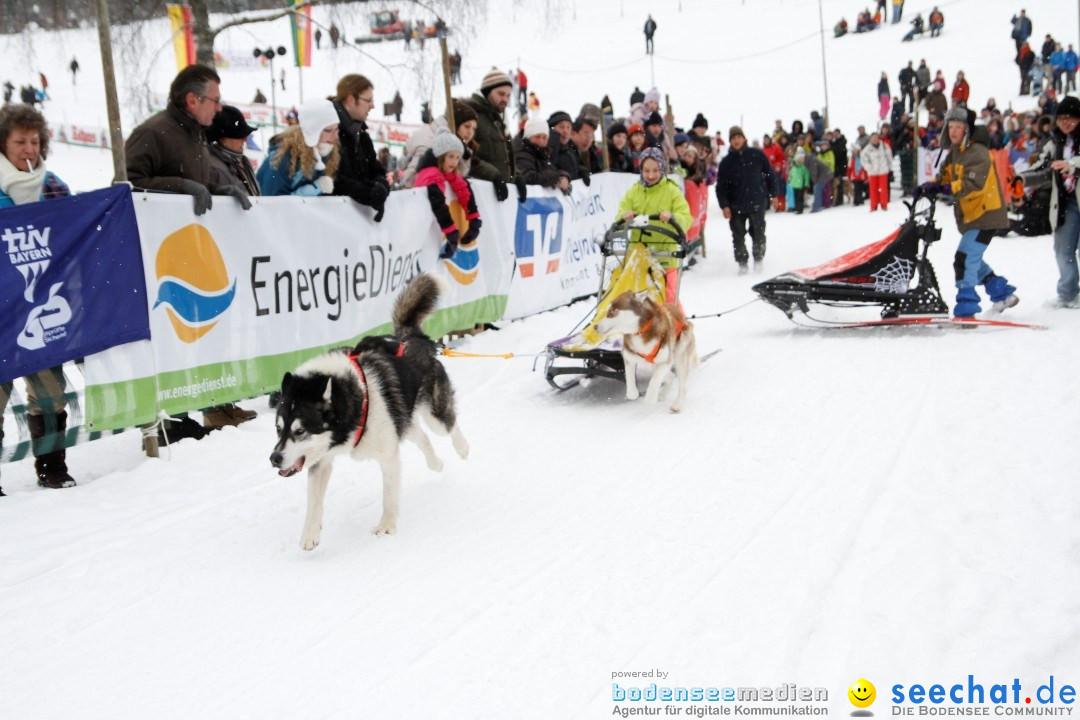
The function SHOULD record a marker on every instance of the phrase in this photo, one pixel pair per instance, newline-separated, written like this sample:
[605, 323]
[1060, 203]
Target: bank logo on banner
[465, 264]
[28, 251]
[193, 282]
[538, 236]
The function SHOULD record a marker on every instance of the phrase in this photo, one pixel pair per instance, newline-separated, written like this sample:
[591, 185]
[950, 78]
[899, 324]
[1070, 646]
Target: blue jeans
[896, 11]
[968, 264]
[1066, 240]
[819, 196]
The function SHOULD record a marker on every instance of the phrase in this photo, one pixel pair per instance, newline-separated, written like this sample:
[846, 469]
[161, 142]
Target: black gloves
[523, 193]
[473, 231]
[379, 194]
[234, 191]
[585, 179]
[500, 189]
[450, 246]
[203, 201]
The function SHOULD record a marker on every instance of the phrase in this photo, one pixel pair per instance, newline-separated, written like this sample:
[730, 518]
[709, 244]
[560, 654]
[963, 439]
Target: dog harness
[651, 357]
[354, 359]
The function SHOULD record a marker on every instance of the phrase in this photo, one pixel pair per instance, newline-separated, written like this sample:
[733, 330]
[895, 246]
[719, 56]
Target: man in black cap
[564, 153]
[227, 135]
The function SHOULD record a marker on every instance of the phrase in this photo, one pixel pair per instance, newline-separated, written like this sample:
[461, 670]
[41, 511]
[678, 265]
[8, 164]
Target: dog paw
[386, 528]
[309, 540]
[435, 465]
[632, 394]
[676, 408]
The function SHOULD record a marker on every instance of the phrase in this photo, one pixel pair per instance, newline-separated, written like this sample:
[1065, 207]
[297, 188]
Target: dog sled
[893, 274]
[630, 250]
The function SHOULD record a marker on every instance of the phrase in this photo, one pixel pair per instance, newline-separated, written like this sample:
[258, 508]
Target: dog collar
[354, 359]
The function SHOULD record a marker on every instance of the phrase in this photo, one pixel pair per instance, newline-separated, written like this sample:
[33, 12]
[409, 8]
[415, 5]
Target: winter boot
[1001, 293]
[967, 303]
[227, 414]
[50, 467]
[178, 428]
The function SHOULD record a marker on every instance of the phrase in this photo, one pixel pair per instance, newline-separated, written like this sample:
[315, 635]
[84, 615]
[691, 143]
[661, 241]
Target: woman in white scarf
[24, 143]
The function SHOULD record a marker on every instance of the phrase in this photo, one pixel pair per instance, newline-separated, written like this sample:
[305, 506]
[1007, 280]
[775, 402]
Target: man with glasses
[169, 153]
[360, 175]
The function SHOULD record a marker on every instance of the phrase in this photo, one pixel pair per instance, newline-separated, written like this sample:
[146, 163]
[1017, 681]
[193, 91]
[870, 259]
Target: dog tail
[416, 303]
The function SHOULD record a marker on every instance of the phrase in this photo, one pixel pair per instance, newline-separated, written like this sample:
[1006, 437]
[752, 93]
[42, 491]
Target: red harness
[651, 357]
[364, 388]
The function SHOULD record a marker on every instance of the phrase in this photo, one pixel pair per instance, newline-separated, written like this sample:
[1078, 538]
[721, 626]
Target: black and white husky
[363, 403]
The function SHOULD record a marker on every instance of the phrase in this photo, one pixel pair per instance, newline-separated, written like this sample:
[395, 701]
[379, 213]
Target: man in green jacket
[494, 158]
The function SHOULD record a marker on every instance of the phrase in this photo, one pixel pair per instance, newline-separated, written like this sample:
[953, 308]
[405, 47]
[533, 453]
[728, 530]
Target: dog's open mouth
[293, 469]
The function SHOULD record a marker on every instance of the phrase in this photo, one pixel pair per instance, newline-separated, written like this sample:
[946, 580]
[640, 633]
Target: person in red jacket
[775, 154]
[961, 91]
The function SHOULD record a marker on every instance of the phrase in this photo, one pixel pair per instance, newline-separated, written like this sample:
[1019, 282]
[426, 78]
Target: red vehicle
[387, 22]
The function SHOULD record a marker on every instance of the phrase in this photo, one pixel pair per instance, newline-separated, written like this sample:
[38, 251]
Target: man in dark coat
[908, 78]
[564, 153]
[840, 152]
[360, 175]
[744, 185]
[532, 160]
[583, 135]
[650, 29]
[1021, 28]
[493, 160]
[1048, 47]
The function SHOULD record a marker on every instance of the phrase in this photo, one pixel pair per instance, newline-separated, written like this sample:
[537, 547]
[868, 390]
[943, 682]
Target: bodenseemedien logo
[193, 282]
[862, 694]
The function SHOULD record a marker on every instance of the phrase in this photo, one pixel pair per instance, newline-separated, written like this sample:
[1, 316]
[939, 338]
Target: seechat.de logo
[862, 695]
[193, 282]
[465, 263]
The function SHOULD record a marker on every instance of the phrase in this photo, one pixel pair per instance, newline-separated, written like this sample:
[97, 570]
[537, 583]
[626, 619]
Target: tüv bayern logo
[193, 282]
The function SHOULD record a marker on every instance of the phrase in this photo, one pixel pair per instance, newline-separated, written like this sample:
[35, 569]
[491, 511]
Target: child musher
[657, 194]
[437, 168]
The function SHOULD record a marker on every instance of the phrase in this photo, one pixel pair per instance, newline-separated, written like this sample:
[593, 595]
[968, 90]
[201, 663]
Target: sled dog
[653, 334]
[364, 402]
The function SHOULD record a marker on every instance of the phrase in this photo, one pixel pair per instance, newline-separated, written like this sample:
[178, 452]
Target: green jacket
[494, 158]
[799, 177]
[664, 195]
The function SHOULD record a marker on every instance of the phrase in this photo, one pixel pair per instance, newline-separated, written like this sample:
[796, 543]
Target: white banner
[78, 134]
[238, 297]
[929, 162]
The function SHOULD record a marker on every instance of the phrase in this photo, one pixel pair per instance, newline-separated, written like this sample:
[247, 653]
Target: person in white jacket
[877, 160]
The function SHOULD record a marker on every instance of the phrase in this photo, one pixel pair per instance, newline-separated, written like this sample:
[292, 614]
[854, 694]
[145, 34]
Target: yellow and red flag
[183, 39]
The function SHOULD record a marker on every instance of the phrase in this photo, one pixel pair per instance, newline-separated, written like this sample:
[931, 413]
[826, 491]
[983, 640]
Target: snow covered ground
[897, 505]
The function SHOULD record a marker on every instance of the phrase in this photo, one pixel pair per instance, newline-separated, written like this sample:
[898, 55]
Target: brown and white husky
[653, 334]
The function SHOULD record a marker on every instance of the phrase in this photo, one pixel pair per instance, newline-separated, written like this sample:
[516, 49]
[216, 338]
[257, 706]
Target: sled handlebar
[677, 235]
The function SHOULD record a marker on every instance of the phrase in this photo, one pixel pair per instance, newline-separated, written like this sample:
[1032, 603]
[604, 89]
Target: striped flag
[182, 37]
[301, 33]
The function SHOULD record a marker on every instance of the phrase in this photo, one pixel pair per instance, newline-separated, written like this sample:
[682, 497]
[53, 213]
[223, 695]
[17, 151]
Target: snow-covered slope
[895, 505]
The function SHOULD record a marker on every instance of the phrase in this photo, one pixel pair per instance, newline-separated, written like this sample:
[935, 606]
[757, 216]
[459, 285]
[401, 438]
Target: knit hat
[692, 147]
[634, 129]
[681, 138]
[228, 123]
[735, 130]
[700, 121]
[445, 142]
[956, 114]
[316, 116]
[656, 154]
[463, 112]
[495, 78]
[615, 128]
[653, 96]
[559, 116]
[536, 126]
[654, 119]
[1069, 107]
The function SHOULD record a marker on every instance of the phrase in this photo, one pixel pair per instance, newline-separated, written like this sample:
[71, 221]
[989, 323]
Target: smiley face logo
[862, 693]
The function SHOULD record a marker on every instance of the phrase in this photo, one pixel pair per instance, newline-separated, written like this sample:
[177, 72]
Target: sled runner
[630, 249]
[893, 274]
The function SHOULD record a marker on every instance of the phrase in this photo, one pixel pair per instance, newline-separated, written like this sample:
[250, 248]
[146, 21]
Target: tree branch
[246, 20]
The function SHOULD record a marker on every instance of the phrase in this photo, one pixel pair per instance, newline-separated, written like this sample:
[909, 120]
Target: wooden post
[669, 122]
[116, 137]
[603, 139]
[446, 81]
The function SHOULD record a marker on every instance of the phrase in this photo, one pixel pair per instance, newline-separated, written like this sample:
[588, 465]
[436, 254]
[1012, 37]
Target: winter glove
[930, 189]
[523, 192]
[325, 183]
[585, 179]
[473, 231]
[203, 201]
[500, 189]
[450, 246]
[234, 191]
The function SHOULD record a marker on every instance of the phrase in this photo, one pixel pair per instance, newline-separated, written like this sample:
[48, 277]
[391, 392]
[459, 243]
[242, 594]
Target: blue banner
[72, 281]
